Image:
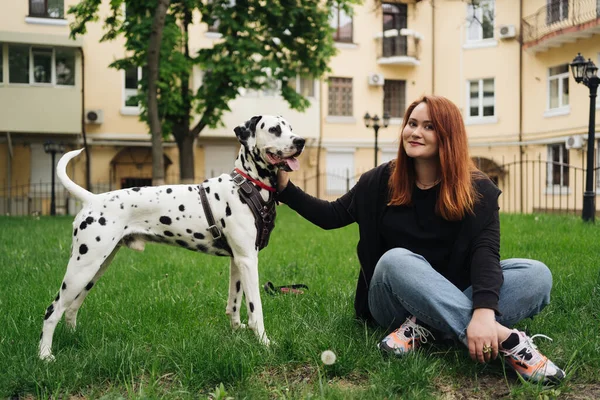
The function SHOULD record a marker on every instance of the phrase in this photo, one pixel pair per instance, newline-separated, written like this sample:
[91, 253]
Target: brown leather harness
[264, 211]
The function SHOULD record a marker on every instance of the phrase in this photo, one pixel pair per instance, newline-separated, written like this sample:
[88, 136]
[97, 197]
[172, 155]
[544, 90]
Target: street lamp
[53, 148]
[374, 121]
[586, 72]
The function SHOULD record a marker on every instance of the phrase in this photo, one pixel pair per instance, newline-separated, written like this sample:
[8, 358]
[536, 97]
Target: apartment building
[504, 63]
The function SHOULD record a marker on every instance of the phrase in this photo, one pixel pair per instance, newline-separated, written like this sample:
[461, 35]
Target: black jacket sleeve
[325, 214]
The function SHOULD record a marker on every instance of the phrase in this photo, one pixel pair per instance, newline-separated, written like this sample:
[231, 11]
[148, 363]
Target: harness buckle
[238, 179]
[215, 232]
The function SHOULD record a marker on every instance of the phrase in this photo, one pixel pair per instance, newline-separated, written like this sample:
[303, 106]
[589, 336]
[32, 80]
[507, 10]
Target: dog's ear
[243, 134]
[252, 123]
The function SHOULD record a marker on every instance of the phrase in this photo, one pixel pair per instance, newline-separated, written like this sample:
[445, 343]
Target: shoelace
[526, 342]
[417, 329]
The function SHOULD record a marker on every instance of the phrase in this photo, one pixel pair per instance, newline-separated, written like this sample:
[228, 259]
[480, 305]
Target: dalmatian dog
[174, 215]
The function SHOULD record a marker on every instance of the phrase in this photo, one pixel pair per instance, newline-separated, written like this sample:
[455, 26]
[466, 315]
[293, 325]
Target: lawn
[155, 326]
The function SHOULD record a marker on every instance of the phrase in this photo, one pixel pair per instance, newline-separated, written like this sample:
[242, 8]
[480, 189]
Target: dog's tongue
[293, 163]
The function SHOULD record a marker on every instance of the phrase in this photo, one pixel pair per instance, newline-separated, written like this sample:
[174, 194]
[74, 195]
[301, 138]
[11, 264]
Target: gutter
[83, 133]
[521, 149]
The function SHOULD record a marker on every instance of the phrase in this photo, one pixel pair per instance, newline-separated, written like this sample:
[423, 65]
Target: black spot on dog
[97, 238]
[169, 190]
[188, 230]
[89, 220]
[220, 180]
[122, 206]
[169, 233]
[217, 196]
[198, 235]
[83, 249]
[181, 207]
[207, 189]
[275, 130]
[89, 286]
[234, 308]
[78, 258]
[283, 122]
[57, 297]
[227, 210]
[251, 307]
[102, 221]
[165, 220]
[64, 286]
[202, 248]
[190, 188]
[182, 243]
[238, 286]
[83, 225]
[223, 222]
[262, 126]
[49, 311]
[126, 226]
[234, 301]
[75, 232]
[135, 189]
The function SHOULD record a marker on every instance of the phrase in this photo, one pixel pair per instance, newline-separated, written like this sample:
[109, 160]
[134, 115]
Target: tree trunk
[158, 167]
[185, 143]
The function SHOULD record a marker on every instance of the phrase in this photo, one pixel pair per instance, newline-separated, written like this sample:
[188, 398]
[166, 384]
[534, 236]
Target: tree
[261, 41]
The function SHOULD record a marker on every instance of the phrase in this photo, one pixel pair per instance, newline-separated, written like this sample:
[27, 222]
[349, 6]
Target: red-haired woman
[429, 247]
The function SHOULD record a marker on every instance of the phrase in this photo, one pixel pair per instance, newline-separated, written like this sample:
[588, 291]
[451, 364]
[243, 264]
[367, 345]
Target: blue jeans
[404, 284]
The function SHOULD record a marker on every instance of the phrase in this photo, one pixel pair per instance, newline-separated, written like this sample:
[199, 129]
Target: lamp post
[374, 121]
[53, 148]
[586, 72]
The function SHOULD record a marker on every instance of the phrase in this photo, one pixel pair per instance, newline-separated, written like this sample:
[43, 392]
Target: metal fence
[528, 186]
[559, 14]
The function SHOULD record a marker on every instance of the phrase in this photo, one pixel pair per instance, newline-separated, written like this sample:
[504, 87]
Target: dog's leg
[78, 279]
[236, 293]
[248, 268]
[71, 311]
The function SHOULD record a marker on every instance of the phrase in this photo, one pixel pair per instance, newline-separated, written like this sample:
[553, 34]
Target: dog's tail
[61, 172]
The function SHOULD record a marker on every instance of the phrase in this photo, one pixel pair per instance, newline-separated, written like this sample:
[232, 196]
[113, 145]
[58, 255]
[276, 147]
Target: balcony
[398, 47]
[560, 22]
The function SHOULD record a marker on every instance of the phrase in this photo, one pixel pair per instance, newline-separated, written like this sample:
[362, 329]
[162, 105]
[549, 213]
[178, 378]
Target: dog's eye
[276, 130]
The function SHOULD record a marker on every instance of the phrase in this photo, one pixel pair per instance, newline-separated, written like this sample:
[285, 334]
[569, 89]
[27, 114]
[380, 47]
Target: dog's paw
[47, 357]
[236, 325]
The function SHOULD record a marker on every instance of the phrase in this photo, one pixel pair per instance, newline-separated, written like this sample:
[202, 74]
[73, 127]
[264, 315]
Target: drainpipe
[521, 149]
[87, 150]
[319, 143]
[9, 159]
[433, 47]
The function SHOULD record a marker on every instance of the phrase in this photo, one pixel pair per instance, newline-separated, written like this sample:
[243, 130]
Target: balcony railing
[47, 8]
[398, 47]
[559, 15]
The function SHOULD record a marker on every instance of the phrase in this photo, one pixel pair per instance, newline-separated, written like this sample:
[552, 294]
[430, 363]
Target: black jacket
[475, 259]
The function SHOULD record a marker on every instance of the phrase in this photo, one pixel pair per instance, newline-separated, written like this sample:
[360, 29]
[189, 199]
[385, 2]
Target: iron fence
[530, 185]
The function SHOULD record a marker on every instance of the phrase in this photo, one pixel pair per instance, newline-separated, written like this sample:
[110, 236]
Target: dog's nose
[299, 142]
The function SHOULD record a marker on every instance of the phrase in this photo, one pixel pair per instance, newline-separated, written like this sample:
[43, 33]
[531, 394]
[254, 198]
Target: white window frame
[560, 188]
[126, 93]
[52, 82]
[562, 109]
[480, 119]
[479, 15]
[336, 178]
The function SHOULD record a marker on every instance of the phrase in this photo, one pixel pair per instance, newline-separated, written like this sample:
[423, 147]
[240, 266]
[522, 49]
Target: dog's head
[269, 140]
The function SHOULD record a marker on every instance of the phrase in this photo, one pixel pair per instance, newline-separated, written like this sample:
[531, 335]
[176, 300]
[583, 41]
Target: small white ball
[328, 357]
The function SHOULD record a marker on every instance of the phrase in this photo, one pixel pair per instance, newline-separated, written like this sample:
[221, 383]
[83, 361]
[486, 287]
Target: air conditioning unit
[376, 80]
[94, 116]
[507, 31]
[574, 142]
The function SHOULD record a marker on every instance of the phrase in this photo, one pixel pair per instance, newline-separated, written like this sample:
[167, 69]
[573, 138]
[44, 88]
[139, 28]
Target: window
[132, 78]
[47, 8]
[480, 15]
[340, 96]
[558, 86]
[394, 98]
[65, 67]
[1, 62]
[304, 86]
[558, 166]
[556, 11]
[394, 17]
[18, 64]
[482, 98]
[340, 171]
[42, 64]
[341, 22]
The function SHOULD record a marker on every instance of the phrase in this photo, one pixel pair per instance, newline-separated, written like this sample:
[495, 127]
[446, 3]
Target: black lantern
[586, 72]
[52, 148]
[374, 122]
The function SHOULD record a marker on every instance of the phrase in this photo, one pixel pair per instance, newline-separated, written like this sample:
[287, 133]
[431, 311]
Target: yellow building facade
[504, 63]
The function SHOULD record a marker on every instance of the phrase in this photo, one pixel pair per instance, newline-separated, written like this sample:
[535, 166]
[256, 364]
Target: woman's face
[418, 137]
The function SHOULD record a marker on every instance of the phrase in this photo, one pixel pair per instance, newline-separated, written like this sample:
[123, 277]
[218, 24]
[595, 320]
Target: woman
[429, 247]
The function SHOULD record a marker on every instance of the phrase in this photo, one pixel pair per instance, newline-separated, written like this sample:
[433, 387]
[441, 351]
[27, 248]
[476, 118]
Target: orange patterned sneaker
[525, 358]
[405, 339]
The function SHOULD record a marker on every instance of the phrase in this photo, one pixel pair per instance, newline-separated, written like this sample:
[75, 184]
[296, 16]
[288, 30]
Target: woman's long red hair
[457, 194]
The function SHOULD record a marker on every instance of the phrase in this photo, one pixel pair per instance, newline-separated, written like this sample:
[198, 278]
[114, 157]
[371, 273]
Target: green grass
[155, 326]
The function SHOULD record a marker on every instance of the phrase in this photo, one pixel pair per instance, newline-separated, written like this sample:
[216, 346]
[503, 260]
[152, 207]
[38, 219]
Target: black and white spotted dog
[173, 214]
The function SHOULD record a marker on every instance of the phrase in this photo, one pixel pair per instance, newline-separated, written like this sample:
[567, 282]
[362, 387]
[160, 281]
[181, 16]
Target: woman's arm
[325, 214]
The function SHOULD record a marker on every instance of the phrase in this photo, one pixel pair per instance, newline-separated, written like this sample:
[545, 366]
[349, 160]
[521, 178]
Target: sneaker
[405, 339]
[527, 361]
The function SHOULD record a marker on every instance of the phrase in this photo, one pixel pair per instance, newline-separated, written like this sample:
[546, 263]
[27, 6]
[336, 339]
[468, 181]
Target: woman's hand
[282, 180]
[482, 334]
